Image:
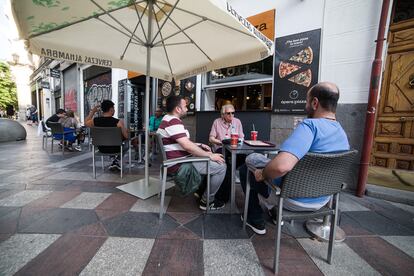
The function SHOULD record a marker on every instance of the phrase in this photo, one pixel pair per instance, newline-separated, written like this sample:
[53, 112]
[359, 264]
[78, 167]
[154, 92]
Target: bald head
[327, 94]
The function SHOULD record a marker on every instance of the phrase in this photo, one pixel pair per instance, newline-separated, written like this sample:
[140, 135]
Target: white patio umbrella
[166, 39]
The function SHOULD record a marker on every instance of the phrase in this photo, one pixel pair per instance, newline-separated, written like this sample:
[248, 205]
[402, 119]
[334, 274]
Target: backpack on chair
[187, 179]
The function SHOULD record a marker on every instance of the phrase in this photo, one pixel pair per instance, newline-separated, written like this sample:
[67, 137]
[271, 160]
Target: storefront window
[250, 97]
[257, 70]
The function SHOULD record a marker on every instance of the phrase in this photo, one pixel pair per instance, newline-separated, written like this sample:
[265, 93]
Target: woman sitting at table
[221, 130]
[223, 127]
[71, 124]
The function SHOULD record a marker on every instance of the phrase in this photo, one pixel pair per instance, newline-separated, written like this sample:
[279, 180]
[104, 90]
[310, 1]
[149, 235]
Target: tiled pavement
[56, 219]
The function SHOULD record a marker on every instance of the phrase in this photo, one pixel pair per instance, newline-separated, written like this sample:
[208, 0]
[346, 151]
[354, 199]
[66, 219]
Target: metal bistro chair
[166, 163]
[314, 175]
[106, 136]
[57, 128]
[46, 134]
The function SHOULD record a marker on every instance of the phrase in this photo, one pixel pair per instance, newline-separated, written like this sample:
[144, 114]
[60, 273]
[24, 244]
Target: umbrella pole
[147, 87]
[149, 186]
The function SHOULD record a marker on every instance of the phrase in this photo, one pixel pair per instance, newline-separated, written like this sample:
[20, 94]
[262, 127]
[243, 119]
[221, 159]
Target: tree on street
[8, 93]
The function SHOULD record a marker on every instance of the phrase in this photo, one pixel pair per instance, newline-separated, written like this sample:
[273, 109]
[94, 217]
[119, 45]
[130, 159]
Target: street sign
[45, 85]
[55, 73]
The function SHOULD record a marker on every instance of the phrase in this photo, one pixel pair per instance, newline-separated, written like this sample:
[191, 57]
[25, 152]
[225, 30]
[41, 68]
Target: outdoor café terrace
[55, 218]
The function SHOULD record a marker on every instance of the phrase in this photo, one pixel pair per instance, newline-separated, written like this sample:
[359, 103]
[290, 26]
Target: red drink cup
[234, 139]
[253, 135]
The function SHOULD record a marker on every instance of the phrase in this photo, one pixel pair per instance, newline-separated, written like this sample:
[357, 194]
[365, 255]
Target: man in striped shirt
[177, 143]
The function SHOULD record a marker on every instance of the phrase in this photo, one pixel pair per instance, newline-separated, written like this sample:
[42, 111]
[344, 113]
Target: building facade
[342, 36]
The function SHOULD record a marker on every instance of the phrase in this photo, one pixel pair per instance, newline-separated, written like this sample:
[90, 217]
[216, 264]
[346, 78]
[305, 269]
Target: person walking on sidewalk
[319, 133]
[177, 143]
[107, 120]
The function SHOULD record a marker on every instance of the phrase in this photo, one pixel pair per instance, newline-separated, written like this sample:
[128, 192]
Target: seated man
[60, 113]
[107, 120]
[320, 133]
[155, 120]
[222, 129]
[177, 143]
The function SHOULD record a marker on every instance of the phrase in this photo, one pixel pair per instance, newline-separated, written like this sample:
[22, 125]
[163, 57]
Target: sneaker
[78, 148]
[215, 205]
[273, 216]
[258, 228]
[115, 166]
[199, 191]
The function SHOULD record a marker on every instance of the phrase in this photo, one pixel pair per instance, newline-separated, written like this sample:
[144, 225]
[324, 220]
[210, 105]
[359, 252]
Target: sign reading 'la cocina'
[250, 27]
[51, 53]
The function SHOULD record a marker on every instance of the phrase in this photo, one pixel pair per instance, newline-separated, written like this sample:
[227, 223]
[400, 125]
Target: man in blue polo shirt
[319, 133]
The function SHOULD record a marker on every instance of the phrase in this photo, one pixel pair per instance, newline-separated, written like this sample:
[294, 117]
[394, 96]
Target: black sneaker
[258, 228]
[273, 216]
[214, 205]
[199, 191]
[115, 166]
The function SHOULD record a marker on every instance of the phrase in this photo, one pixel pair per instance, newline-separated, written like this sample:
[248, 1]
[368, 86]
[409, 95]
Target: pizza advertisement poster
[296, 69]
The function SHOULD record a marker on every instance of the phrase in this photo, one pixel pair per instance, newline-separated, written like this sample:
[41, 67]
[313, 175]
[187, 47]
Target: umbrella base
[144, 190]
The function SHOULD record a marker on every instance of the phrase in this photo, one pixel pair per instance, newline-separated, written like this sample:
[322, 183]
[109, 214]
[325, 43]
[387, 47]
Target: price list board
[136, 97]
[122, 90]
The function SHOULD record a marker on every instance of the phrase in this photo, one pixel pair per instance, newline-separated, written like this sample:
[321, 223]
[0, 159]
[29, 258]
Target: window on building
[249, 97]
[257, 70]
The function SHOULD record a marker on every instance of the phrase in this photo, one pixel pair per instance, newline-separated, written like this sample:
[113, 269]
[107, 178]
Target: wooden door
[394, 131]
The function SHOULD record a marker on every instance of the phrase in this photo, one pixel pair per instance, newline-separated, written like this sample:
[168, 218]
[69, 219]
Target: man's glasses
[228, 113]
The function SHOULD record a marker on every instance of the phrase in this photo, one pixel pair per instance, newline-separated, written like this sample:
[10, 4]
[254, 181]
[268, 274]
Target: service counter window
[257, 70]
[245, 98]
[247, 86]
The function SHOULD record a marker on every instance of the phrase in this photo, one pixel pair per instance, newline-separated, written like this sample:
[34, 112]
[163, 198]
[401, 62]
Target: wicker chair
[314, 175]
[106, 136]
[166, 163]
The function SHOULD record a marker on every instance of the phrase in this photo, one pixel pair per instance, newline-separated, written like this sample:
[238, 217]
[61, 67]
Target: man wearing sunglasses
[222, 127]
[221, 130]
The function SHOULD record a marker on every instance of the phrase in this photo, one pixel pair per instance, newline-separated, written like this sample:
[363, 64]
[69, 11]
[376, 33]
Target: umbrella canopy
[164, 38]
[188, 37]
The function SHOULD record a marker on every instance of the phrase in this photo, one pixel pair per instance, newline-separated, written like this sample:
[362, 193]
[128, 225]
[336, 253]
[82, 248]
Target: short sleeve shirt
[171, 129]
[222, 130]
[318, 136]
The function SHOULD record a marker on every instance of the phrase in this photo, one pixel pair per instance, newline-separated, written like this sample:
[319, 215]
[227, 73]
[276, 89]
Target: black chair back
[161, 146]
[106, 136]
[44, 128]
[56, 128]
[318, 174]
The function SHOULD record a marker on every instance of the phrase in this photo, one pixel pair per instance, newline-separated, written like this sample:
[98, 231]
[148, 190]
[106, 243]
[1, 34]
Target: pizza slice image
[303, 78]
[286, 68]
[303, 56]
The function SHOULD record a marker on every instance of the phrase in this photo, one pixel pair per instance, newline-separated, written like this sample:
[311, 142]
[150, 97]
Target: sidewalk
[56, 219]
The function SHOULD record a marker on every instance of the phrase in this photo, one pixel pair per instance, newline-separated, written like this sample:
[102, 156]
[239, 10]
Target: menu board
[185, 88]
[122, 87]
[136, 107]
[296, 70]
[188, 92]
